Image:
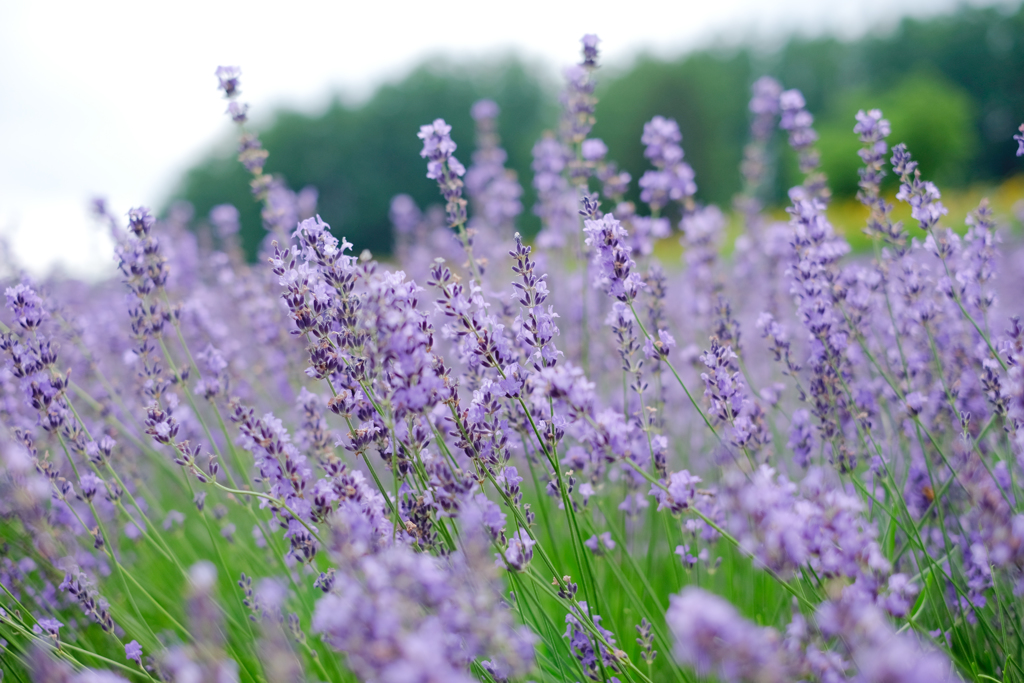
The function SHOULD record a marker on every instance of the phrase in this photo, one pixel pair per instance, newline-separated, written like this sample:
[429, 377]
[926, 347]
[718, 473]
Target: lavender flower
[578, 101]
[225, 218]
[495, 190]
[801, 439]
[133, 651]
[713, 638]
[679, 493]
[582, 644]
[401, 615]
[536, 324]
[614, 268]
[922, 196]
[443, 167]
[590, 42]
[48, 625]
[673, 179]
[228, 77]
[599, 544]
[400, 443]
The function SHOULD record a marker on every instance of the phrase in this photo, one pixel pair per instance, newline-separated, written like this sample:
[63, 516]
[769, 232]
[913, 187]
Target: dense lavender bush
[500, 461]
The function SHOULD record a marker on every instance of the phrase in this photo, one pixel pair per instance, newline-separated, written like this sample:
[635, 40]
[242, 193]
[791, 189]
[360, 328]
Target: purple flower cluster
[615, 270]
[488, 183]
[458, 472]
[713, 638]
[443, 167]
[673, 179]
[922, 196]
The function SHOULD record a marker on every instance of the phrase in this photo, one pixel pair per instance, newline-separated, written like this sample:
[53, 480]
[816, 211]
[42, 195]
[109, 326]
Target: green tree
[952, 86]
[934, 117]
[358, 158]
[706, 93]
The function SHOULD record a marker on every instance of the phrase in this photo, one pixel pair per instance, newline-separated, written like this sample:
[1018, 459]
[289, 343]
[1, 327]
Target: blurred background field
[952, 86]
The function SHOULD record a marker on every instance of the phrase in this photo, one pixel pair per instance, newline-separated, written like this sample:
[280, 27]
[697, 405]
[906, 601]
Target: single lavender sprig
[673, 179]
[764, 105]
[488, 182]
[615, 270]
[442, 166]
[713, 638]
[578, 100]
[798, 122]
[536, 324]
[922, 196]
[872, 130]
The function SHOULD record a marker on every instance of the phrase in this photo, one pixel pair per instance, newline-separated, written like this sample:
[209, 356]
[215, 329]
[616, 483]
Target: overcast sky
[118, 98]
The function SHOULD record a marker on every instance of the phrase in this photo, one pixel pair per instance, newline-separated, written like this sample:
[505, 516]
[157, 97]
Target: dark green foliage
[928, 113]
[953, 88]
[706, 93]
[360, 157]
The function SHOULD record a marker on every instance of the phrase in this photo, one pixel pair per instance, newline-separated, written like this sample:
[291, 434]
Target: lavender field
[500, 458]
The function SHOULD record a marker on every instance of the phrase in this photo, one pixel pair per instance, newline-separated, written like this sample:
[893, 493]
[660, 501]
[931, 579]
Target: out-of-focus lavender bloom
[402, 615]
[238, 112]
[673, 179]
[228, 79]
[520, 550]
[593, 149]
[801, 438]
[45, 668]
[225, 219]
[484, 109]
[49, 626]
[1020, 141]
[764, 105]
[899, 595]
[714, 639]
[598, 544]
[577, 98]
[813, 270]
[785, 527]
[661, 139]
[977, 268]
[492, 188]
[798, 121]
[702, 232]
[647, 230]
[590, 42]
[556, 198]
[405, 215]
[875, 650]
[679, 492]
[133, 651]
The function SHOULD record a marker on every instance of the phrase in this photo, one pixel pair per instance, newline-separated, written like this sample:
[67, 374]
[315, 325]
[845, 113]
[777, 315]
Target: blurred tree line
[952, 87]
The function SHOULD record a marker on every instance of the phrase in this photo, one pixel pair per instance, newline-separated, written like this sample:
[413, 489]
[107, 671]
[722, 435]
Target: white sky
[111, 98]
